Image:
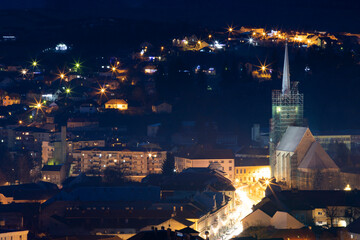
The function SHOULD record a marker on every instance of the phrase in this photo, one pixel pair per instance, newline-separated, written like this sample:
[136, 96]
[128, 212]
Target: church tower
[287, 109]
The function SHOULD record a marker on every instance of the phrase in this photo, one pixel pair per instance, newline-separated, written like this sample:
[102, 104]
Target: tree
[7, 166]
[24, 164]
[168, 167]
[332, 212]
[113, 175]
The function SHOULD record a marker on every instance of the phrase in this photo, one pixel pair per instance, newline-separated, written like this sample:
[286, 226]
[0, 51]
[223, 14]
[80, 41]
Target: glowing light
[113, 69]
[67, 90]
[263, 68]
[34, 63]
[230, 29]
[24, 71]
[210, 36]
[162, 48]
[38, 105]
[347, 188]
[20, 122]
[267, 182]
[251, 40]
[199, 42]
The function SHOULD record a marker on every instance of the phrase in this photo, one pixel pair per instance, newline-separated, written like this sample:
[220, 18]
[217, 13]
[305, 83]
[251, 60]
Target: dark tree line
[15, 167]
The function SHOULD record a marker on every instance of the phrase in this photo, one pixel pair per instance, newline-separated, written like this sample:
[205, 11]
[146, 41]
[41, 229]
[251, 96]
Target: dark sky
[332, 15]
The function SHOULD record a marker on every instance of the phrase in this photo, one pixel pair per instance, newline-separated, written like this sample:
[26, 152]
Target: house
[249, 171]
[27, 193]
[54, 173]
[119, 104]
[168, 234]
[328, 208]
[202, 158]
[82, 123]
[10, 100]
[193, 180]
[251, 165]
[52, 107]
[14, 234]
[153, 129]
[301, 162]
[88, 108]
[162, 108]
[354, 229]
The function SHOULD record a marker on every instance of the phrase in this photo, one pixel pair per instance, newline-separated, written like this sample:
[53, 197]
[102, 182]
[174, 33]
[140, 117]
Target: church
[297, 160]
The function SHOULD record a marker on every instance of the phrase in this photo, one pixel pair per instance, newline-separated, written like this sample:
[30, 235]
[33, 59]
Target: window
[240, 170]
[319, 213]
[230, 161]
[244, 170]
[230, 168]
[237, 171]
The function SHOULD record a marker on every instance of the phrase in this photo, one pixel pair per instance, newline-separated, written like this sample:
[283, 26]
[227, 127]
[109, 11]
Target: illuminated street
[232, 226]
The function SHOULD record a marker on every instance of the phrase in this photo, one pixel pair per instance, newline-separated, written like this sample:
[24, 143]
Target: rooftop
[291, 138]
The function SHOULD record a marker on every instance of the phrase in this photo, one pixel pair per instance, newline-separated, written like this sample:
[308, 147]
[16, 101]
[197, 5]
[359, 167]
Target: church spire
[286, 73]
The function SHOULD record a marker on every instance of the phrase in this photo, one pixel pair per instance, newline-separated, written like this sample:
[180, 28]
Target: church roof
[291, 138]
[317, 159]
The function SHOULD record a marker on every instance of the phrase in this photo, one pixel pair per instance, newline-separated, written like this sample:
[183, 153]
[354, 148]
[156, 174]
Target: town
[199, 136]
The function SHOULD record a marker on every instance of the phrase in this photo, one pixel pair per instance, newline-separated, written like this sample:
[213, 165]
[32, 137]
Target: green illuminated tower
[287, 109]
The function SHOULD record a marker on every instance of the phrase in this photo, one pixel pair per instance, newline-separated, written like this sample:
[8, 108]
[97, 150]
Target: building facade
[133, 162]
[301, 162]
[223, 158]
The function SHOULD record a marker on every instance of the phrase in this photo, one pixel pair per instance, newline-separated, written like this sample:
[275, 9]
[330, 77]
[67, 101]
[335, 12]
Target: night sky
[333, 15]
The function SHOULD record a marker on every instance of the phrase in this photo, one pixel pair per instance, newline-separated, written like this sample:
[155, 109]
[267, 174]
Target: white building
[13, 234]
[202, 159]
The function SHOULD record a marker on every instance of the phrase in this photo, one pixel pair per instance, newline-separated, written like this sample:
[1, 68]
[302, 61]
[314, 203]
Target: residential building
[10, 99]
[88, 108]
[248, 171]
[27, 193]
[167, 233]
[82, 123]
[54, 173]
[14, 234]
[354, 230]
[333, 208]
[351, 140]
[202, 158]
[119, 104]
[138, 161]
[162, 108]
